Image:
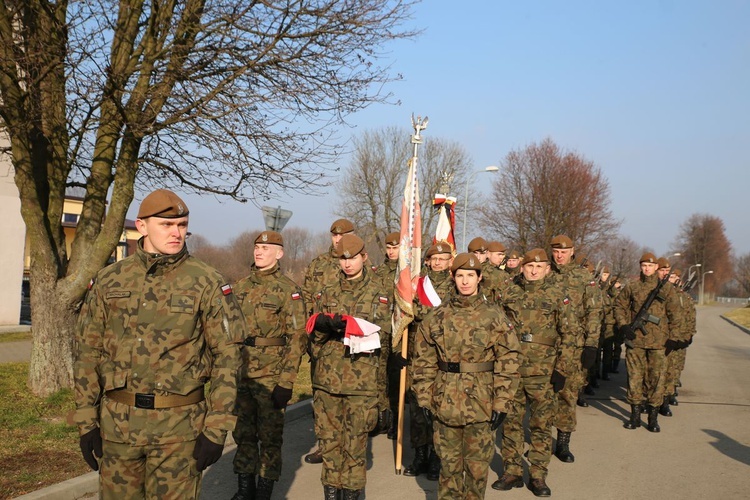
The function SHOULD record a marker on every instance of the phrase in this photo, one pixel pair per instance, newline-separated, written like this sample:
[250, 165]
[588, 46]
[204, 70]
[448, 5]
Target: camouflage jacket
[160, 325]
[469, 330]
[586, 299]
[274, 308]
[546, 329]
[336, 371]
[608, 310]
[323, 269]
[444, 287]
[688, 315]
[666, 307]
[386, 272]
[500, 288]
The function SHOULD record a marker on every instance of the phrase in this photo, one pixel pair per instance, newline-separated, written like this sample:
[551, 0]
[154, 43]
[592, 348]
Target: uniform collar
[158, 263]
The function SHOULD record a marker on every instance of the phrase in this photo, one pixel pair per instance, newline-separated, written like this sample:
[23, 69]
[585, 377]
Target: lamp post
[703, 279]
[491, 168]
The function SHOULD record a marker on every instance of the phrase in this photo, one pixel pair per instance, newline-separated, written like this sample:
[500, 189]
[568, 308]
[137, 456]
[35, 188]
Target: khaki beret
[162, 203]
[535, 255]
[349, 246]
[478, 244]
[677, 272]
[663, 262]
[342, 226]
[393, 239]
[561, 241]
[648, 257]
[495, 246]
[605, 270]
[514, 254]
[439, 247]
[466, 261]
[270, 238]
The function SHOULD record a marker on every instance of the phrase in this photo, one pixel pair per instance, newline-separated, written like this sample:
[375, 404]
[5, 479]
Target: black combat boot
[635, 417]
[562, 451]
[507, 482]
[264, 489]
[331, 493]
[593, 383]
[539, 488]
[673, 399]
[316, 457]
[653, 419]
[664, 409]
[393, 428]
[433, 472]
[605, 371]
[420, 465]
[351, 494]
[615, 364]
[245, 487]
[581, 401]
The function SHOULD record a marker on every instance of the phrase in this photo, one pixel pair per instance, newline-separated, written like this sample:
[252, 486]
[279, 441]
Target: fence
[737, 301]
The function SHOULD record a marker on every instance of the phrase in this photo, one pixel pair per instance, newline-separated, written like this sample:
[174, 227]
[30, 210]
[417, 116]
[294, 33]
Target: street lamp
[491, 168]
[690, 270]
[703, 279]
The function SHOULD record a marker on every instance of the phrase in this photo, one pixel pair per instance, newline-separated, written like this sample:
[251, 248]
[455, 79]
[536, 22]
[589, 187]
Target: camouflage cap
[478, 244]
[350, 246]
[342, 226]
[514, 254]
[162, 203]
[393, 239]
[495, 246]
[439, 247]
[270, 238]
[663, 262]
[561, 241]
[466, 261]
[535, 255]
[648, 257]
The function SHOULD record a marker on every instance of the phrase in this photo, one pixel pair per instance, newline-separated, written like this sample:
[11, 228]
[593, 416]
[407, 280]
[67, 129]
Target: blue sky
[656, 93]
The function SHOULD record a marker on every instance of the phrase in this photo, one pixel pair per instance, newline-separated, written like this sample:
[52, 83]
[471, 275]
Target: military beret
[270, 238]
[663, 262]
[514, 254]
[466, 261]
[478, 244]
[648, 257]
[349, 246]
[439, 247]
[561, 241]
[162, 203]
[495, 246]
[342, 226]
[605, 270]
[393, 239]
[677, 272]
[535, 255]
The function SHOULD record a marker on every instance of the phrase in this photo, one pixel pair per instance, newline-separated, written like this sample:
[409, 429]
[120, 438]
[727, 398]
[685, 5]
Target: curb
[88, 484]
[746, 330]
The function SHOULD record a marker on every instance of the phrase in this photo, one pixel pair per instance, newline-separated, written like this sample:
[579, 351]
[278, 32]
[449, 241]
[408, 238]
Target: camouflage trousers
[259, 429]
[675, 365]
[565, 415]
[465, 453]
[420, 430]
[537, 391]
[342, 424]
[646, 375]
[166, 471]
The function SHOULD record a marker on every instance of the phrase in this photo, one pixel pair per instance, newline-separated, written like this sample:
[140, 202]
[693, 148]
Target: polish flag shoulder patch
[296, 296]
[383, 300]
[226, 289]
[91, 283]
[566, 301]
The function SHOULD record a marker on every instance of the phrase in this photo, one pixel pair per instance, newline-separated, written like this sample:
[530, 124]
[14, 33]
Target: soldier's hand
[206, 452]
[627, 332]
[670, 345]
[280, 397]
[496, 419]
[588, 357]
[323, 323]
[91, 447]
[399, 361]
[338, 323]
[427, 414]
[384, 419]
[558, 381]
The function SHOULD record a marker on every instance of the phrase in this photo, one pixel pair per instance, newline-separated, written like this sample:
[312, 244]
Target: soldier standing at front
[547, 334]
[465, 375]
[271, 355]
[645, 357]
[348, 386]
[154, 329]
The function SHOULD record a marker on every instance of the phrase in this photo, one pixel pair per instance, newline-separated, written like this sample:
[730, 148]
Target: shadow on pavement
[729, 447]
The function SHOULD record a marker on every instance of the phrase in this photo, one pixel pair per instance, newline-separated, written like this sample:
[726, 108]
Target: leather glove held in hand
[670, 345]
[627, 332]
[557, 380]
[588, 357]
[206, 452]
[338, 326]
[399, 361]
[91, 447]
[280, 397]
[496, 419]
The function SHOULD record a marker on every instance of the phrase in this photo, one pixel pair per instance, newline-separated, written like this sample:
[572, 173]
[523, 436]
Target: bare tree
[621, 254]
[702, 240]
[236, 98]
[372, 187]
[742, 273]
[543, 191]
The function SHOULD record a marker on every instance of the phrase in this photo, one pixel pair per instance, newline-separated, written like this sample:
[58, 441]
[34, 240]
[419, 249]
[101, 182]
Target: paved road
[703, 451]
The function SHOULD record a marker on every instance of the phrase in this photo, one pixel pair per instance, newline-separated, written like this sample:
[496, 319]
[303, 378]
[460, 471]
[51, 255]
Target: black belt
[264, 342]
[464, 367]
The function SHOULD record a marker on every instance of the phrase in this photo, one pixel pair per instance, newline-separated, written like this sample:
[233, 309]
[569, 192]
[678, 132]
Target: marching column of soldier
[497, 334]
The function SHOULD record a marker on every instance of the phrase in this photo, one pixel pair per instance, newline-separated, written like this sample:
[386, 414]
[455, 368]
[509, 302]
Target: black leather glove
[588, 357]
[206, 452]
[323, 323]
[627, 332]
[399, 361]
[496, 419]
[690, 340]
[338, 324]
[670, 345]
[427, 414]
[280, 397]
[91, 447]
[558, 381]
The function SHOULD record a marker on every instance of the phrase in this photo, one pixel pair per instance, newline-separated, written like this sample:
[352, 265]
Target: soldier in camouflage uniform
[513, 263]
[348, 386]
[607, 339]
[585, 298]
[154, 329]
[271, 355]
[645, 357]
[496, 254]
[466, 363]
[689, 331]
[547, 335]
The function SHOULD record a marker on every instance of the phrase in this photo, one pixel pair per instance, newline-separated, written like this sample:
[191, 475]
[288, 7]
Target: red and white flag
[426, 292]
[446, 219]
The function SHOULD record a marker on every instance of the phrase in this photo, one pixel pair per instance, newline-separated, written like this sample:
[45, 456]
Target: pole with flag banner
[407, 272]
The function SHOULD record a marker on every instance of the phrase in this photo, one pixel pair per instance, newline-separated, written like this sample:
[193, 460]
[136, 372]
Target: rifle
[612, 282]
[642, 316]
[690, 283]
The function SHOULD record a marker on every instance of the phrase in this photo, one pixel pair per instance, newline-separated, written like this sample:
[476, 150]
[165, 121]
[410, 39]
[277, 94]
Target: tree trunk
[53, 320]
